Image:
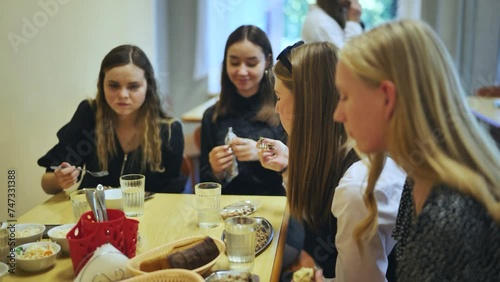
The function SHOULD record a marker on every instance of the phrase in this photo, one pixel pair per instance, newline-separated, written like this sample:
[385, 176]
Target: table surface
[168, 217]
[196, 113]
[485, 110]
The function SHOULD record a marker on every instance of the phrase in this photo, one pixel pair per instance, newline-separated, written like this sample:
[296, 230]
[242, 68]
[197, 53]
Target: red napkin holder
[88, 235]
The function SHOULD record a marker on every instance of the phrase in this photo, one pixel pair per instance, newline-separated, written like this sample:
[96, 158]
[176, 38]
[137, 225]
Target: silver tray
[227, 273]
[264, 226]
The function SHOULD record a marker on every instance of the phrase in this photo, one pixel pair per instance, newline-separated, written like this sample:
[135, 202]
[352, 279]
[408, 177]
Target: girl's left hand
[318, 275]
[244, 149]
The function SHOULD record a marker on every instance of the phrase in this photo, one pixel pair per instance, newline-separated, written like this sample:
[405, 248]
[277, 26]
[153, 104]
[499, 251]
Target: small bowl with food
[3, 270]
[58, 235]
[232, 276]
[28, 233]
[38, 256]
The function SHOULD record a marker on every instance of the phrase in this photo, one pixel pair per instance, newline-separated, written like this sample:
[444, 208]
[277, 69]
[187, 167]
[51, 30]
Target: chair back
[488, 91]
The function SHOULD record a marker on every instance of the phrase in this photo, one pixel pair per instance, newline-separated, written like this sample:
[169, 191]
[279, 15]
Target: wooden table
[196, 113]
[485, 110]
[168, 217]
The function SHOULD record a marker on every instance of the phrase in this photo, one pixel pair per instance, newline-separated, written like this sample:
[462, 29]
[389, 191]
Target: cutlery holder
[88, 234]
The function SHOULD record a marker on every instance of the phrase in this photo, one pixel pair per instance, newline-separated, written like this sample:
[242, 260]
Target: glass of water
[208, 203]
[132, 186]
[240, 234]
[79, 202]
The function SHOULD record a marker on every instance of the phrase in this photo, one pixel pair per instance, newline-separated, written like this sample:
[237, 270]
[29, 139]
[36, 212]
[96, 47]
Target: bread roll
[190, 256]
[305, 274]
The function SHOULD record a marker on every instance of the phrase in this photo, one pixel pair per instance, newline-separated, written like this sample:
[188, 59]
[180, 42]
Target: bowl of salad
[38, 256]
[29, 232]
[58, 235]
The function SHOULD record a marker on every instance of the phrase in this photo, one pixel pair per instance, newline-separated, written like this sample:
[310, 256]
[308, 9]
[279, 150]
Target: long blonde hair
[433, 132]
[316, 144]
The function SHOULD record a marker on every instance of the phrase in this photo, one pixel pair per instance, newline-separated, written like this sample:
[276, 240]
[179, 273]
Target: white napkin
[106, 264]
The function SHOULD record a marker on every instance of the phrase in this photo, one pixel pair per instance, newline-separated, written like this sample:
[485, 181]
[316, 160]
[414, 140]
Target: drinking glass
[240, 234]
[79, 202]
[208, 204]
[132, 186]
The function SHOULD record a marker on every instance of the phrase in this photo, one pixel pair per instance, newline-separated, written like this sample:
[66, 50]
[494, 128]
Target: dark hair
[334, 9]
[228, 89]
[150, 114]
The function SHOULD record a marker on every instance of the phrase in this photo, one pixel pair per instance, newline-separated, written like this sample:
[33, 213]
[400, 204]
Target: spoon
[91, 199]
[101, 199]
[101, 173]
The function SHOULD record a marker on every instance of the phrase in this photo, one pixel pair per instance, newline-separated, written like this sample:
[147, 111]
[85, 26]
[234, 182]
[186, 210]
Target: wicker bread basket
[168, 275]
[134, 264]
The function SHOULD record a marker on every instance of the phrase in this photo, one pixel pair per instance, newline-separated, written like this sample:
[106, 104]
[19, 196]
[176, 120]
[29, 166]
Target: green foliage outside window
[376, 12]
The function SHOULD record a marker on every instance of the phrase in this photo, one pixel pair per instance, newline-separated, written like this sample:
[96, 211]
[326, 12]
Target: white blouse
[319, 26]
[349, 209]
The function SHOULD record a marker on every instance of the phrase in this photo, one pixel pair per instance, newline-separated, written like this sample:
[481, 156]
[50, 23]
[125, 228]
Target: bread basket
[168, 275]
[134, 264]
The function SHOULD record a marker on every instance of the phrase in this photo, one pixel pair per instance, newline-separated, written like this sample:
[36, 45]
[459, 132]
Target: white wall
[48, 69]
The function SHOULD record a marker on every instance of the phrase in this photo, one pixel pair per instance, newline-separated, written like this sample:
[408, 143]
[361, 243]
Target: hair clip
[283, 56]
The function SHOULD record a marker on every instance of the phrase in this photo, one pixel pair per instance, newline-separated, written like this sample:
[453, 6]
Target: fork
[101, 173]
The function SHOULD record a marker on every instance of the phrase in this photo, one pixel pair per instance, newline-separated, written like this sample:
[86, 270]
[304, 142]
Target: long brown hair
[334, 9]
[316, 144]
[225, 105]
[150, 114]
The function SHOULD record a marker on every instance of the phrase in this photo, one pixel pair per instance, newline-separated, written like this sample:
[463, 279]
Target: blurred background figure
[335, 21]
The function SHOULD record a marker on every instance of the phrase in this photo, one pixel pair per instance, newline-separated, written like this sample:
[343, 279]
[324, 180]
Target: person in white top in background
[325, 179]
[334, 21]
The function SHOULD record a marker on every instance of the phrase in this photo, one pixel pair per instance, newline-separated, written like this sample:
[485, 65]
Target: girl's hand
[354, 11]
[275, 157]
[244, 149]
[67, 176]
[318, 275]
[220, 159]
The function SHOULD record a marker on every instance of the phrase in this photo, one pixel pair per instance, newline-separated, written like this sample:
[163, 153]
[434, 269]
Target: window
[374, 13]
[281, 19]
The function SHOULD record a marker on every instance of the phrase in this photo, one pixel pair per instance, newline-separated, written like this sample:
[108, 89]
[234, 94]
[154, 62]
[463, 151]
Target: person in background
[326, 177]
[122, 131]
[401, 96]
[246, 104]
[335, 21]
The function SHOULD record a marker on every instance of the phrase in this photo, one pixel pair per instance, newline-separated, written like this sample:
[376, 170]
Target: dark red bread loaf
[189, 256]
[194, 257]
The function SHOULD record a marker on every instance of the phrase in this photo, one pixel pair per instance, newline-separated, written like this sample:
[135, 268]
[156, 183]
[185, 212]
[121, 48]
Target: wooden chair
[187, 168]
[197, 137]
[488, 91]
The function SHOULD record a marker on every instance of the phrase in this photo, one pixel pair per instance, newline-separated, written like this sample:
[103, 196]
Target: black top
[253, 179]
[453, 238]
[77, 146]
